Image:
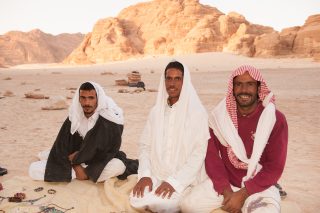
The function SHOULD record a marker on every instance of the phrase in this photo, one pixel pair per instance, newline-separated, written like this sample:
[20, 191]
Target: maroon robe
[223, 173]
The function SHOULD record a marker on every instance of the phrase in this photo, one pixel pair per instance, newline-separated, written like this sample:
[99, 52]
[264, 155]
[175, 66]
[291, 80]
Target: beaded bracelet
[39, 189]
[51, 191]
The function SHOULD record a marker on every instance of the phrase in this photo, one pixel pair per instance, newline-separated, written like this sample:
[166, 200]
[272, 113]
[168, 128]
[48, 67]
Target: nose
[244, 87]
[86, 101]
[171, 83]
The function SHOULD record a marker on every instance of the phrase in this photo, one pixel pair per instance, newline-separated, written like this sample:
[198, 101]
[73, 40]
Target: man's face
[88, 101]
[245, 90]
[173, 81]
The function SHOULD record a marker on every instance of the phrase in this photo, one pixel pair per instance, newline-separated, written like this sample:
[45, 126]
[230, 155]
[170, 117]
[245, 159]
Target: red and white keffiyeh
[232, 105]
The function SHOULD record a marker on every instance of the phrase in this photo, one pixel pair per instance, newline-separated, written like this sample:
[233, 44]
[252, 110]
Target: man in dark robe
[88, 143]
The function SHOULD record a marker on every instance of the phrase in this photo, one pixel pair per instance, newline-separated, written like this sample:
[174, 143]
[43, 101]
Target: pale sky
[72, 16]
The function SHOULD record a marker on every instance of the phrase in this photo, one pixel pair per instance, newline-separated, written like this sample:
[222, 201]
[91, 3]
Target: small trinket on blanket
[39, 189]
[14, 199]
[51, 191]
[20, 195]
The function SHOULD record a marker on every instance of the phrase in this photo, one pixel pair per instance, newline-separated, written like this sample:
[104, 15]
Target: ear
[258, 91]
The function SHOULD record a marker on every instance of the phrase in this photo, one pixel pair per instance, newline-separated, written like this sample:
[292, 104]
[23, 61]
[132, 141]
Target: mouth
[87, 107]
[172, 89]
[244, 97]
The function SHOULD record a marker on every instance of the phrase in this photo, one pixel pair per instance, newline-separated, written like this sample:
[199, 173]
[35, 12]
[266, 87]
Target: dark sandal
[3, 171]
[283, 194]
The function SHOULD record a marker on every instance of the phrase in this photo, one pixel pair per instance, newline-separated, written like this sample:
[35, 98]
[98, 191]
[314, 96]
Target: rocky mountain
[174, 27]
[163, 27]
[36, 47]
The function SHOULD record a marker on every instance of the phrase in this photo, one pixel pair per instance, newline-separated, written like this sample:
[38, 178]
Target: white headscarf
[191, 127]
[107, 108]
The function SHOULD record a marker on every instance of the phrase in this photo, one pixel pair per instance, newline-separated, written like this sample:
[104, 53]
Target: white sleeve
[144, 169]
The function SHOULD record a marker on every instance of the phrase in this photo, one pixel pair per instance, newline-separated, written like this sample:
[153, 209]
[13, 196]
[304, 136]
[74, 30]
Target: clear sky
[72, 16]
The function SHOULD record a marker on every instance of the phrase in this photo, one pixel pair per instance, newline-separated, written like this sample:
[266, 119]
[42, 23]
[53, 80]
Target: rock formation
[36, 47]
[163, 27]
[173, 27]
[307, 40]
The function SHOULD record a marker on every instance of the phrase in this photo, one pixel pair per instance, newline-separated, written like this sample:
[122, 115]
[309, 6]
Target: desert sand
[26, 129]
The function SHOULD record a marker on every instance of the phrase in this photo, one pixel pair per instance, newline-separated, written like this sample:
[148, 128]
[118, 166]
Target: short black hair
[87, 86]
[176, 65]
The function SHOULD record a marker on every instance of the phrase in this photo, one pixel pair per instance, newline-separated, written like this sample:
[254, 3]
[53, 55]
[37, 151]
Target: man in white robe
[173, 144]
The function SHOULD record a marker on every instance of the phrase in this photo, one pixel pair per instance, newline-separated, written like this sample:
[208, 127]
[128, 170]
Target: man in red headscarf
[247, 150]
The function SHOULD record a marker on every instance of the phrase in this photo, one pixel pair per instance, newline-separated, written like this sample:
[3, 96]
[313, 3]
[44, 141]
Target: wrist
[226, 192]
[244, 192]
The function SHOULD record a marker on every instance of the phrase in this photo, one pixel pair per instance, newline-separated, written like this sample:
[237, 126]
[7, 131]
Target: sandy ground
[25, 129]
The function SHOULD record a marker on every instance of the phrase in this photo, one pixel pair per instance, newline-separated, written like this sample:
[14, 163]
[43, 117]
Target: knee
[116, 165]
[188, 205]
[37, 170]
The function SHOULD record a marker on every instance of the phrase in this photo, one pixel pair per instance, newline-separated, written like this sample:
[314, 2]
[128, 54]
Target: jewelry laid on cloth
[18, 198]
[2, 198]
[48, 209]
[39, 189]
[14, 199]
[51, 191]
[20, 195]
[34, 200]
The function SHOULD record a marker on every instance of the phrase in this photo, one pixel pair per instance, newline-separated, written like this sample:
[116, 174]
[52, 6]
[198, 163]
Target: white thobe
[150, 200]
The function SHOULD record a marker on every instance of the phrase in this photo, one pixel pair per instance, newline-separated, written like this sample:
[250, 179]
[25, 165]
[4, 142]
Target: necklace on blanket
[19, 198]
[48, 209]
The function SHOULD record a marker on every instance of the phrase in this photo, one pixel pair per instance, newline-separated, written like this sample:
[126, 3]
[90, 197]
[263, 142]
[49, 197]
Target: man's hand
[138, 189]
[233, 201]
[80, 172]
[226, 196]
[71, 156]
[165, 189]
